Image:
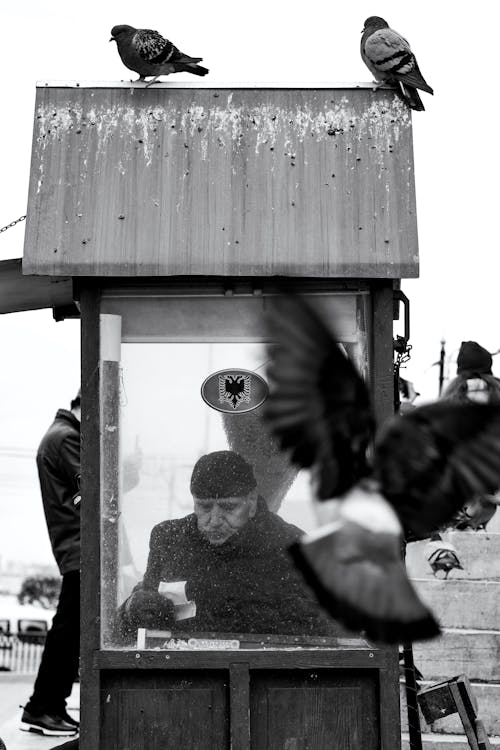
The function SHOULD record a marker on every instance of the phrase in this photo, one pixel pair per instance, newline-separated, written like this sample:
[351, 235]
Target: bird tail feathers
[191, 67]
[411, 97]
[365, 589]
[415, 78]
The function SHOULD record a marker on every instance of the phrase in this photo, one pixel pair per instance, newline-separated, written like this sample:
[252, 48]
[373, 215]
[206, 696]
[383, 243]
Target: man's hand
[148, 609]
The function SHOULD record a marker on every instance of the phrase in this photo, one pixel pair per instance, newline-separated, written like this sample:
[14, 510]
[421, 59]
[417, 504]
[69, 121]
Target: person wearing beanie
[230, 559]
[473, 360]
[474, 382]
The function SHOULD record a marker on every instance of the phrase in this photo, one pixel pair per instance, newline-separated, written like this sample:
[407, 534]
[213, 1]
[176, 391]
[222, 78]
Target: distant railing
[21, 652]
[21, 656]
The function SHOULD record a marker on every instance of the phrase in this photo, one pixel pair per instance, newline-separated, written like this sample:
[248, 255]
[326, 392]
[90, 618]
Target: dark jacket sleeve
[158, 546]
[150, 582]
[69, 459]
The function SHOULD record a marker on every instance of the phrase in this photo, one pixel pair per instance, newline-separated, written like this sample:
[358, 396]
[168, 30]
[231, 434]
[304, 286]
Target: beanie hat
[473, 359]
[222, 474]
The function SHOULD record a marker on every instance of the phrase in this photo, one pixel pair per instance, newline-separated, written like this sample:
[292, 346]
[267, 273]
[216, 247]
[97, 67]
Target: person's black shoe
[65, 716]
[47, 724]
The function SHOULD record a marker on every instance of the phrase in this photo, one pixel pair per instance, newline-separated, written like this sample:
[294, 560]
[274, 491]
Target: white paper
[175, 591]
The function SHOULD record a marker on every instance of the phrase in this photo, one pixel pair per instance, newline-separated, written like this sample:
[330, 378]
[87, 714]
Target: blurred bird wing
[436, 458]
[365, 506]
[318, 405]
[359, 577]
[152, 46]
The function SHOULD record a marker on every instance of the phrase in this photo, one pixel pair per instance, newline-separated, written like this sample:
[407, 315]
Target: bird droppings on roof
[233, 125]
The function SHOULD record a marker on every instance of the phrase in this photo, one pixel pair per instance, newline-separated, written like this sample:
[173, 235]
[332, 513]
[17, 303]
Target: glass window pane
[198, 549]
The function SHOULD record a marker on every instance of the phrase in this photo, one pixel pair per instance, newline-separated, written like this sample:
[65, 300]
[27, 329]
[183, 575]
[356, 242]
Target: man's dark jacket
[246, 585]
[58, 461]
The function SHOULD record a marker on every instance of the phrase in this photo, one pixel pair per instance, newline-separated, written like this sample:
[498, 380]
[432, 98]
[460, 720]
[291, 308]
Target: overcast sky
[456, 162]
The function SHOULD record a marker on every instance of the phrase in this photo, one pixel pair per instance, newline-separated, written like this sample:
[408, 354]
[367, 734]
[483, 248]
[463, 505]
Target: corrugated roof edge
[206, 85]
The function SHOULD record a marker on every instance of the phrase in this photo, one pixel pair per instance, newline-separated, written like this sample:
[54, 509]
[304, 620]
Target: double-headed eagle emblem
[234, 389]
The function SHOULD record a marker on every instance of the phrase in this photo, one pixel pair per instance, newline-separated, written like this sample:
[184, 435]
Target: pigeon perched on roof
[389, 57]
[148, 53]
[424, 467]
[442, 556]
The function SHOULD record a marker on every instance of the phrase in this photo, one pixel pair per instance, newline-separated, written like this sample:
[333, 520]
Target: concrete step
[488, 702]
[494, 524]
[478, 551]
[475, 653]
[462, 604]
[445, 742]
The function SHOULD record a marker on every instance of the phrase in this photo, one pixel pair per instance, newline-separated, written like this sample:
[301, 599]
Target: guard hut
[172, 209]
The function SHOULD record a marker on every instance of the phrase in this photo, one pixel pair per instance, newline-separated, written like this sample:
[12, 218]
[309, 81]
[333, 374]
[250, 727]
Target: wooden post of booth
[90, 543]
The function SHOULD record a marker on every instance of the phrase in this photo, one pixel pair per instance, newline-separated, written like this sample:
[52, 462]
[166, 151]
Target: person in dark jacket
[229, 562]
[58, 462]
[474, 382]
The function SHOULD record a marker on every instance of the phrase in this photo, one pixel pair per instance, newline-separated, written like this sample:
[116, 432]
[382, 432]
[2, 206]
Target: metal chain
[12, 224]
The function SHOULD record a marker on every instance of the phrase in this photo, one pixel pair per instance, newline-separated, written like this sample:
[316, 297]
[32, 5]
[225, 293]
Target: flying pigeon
[148, 53]
[389, 57]
[441, 555]
[424, 467]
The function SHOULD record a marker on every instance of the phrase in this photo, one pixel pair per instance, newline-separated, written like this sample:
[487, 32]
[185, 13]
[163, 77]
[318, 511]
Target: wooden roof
[19, 293]
[209, 180]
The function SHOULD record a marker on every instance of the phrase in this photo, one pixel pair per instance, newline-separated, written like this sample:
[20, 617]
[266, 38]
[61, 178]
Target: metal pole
[441, 365]
[414, 731]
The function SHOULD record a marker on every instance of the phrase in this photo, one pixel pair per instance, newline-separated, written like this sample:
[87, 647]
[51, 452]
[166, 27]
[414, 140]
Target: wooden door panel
[320, 710]
[165, 712]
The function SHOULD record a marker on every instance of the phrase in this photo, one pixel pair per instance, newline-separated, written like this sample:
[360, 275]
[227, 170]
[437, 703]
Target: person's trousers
[60, 659]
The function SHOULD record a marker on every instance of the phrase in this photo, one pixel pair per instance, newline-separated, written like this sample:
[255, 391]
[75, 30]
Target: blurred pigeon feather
[354, 566]
[425, 466]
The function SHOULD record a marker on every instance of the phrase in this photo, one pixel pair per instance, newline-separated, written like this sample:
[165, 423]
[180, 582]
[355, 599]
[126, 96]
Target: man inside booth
[225, 567]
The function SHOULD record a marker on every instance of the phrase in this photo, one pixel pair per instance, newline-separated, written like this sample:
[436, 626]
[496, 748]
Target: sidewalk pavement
[15, 689]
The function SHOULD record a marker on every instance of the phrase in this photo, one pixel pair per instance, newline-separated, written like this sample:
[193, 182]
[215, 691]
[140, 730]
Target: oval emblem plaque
[234, 391]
